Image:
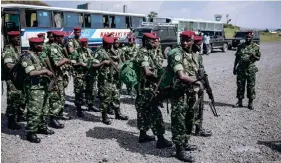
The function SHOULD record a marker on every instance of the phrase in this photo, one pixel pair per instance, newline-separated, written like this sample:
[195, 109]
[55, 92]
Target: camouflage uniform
[37, 95]
[246, 69]
[182, 115]
[148, 116]
[15, 98]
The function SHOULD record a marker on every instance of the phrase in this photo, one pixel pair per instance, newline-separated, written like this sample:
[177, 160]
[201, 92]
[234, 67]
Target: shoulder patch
[177, 57]
[54, 50]
[24, 64]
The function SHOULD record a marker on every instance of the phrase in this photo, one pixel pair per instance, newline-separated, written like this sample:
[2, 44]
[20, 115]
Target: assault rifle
[204, 79]
[54, 81]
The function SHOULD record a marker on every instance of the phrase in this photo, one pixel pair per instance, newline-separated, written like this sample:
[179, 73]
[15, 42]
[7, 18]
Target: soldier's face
[51, 37]
[38, 46]
[16, 40]
[85, 45]
[77, 34]
[248, 37]
[151, 43]
[60, 39]
[186, 42]
[131, 41]
[116, 44]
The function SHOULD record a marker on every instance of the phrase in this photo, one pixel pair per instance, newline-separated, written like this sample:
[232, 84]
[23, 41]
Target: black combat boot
[120, 116]
[162, 142]
[189, 147]
[202, 132]
[55, 123]
[63, 116]
[79, 112]
[182, 155]
[143, 138]
[92, 109]
[239, 103]
[105, 119]
[45, 131]
[250, 105]
[21, 117]
[110, 111]
[32, 137]
[12, 124]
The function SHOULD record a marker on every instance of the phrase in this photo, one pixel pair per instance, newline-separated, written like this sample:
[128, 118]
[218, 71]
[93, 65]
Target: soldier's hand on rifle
[200, 85]
[49, 73]
[106, 62]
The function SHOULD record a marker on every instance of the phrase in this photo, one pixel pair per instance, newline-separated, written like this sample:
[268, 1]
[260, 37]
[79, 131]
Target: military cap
[109, 40]
[35, 40]
[77, 29]
[58, 33]
[83, 40]
[40, 34]
[188, 33]
[13, 33]
[197, 38]
[150, 35]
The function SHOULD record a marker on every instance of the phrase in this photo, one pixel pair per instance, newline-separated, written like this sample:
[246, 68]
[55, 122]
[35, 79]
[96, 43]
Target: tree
[35, 2]
[152, 14]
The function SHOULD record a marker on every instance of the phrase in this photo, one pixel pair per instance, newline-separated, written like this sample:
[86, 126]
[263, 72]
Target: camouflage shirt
[245, 61]
[73, 43]
[129, 52]
[56, 54]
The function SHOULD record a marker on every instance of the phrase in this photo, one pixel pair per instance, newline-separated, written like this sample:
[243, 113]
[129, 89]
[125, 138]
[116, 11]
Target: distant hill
[38, 2]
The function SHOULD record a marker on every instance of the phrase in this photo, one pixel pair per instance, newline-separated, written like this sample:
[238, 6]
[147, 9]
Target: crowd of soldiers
[96, 74]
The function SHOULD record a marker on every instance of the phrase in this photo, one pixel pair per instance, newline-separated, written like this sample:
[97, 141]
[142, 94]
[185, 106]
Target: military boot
[182, 155]
[12, 124]
[33, 138]
[238, 104]
[110, 111]
[79, 112]
[63, 116]
[105, 119]
[55, 123]
[202, 132]
[45, 131]
[120, 116]
[92, 109]
[250, 105]
[162, 142]
[143, 138]
[21, 117]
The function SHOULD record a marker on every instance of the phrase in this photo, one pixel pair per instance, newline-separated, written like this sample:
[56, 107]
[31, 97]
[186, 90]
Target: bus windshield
[139, 32]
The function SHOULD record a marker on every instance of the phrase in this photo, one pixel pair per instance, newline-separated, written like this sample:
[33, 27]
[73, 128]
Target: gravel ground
[239, 135]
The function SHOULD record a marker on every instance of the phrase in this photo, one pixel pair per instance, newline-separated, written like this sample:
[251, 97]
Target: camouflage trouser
[91, 90]
[37, 110]
[109, 96]
[56, 100]
[79, 91]
[182, 117]
[242, 78]
[148, 114]
[198, 115]
[15, 101]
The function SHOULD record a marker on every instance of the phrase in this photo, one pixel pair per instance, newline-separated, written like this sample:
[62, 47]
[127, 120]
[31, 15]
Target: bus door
[10, 22]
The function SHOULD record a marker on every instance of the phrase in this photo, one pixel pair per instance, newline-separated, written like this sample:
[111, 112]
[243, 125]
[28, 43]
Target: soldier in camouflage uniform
[47, 45]
[82, 76]
[148, 113]
[185, 66]
[35, 87]
[15, 98]
[244, 66]
[108, 79]
[59, 64]
[129, 52]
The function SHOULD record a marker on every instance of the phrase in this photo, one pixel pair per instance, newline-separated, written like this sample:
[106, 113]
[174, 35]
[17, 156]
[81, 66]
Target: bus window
[120, 22]
[87, 20]
[128, 25]
[72, 20]
[31, 18]
[58, 19]
[136, 21]
[195, 26]
[106, 22]
[97, 21]
[44, 19]
[112, 21]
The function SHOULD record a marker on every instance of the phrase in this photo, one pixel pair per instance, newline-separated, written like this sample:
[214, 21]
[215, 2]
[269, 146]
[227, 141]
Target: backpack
[129, 73]
[17, 73]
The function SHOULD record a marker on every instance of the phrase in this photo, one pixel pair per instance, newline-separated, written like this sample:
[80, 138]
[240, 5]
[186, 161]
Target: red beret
[249, 32]
[83, 40]
[197, 38]
[188, 33]
[150, 35]
[116, 39]
[13, 33]
[36, 40]
[40, 34]
[58, 33]
[77, 29]
[109, 40]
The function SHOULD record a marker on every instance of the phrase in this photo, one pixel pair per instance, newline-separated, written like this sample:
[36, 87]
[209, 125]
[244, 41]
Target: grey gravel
[239, 135]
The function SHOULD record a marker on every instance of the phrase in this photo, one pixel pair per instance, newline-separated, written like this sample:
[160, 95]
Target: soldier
[129, 52]
[15, 98]
[74, 43]
[148, 113]
[35, 87]
[81, 76]
[108, 79]
[47, 45]
[198, 121]
[59, 64]
[185, 68]
[244, 66]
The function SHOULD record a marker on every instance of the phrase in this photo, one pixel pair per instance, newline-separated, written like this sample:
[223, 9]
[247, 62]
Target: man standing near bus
[15, 98]
[206, 43]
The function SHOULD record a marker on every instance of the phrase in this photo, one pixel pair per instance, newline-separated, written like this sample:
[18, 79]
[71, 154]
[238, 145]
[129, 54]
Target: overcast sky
[251, 14]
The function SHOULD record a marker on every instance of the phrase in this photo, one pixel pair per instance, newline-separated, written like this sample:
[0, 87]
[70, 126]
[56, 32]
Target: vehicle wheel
[229, 47]
[166, 51]
[224, 49]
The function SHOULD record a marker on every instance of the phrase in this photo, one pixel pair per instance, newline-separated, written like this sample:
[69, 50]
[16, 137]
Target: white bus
[31, 20]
